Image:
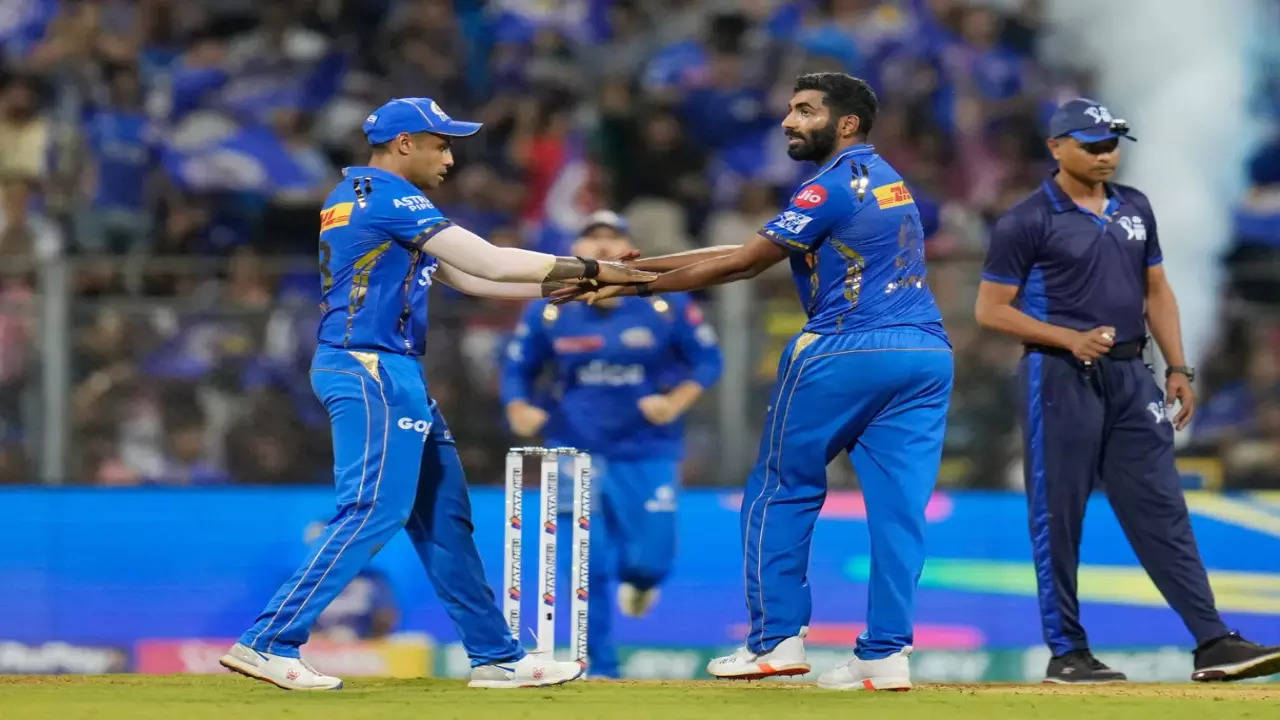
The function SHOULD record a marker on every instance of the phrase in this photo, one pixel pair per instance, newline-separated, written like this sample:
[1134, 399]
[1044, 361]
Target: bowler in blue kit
[624, 372]
[870, 375]
[395, 464]
[1075, 272]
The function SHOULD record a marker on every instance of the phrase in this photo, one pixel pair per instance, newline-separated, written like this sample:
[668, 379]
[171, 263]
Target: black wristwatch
[1190, 372]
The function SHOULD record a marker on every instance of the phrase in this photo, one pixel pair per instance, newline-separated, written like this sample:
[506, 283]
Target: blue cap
[413, 115]
[1087, 121]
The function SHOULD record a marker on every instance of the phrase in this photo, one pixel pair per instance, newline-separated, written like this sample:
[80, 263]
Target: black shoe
[1080, 666]
[1231, 657]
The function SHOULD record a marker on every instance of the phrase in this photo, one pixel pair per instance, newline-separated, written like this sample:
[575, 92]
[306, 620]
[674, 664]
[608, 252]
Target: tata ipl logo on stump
[547, 529]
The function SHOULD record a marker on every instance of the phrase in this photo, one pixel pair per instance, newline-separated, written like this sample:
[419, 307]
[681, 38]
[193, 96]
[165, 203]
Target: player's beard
[815, 146]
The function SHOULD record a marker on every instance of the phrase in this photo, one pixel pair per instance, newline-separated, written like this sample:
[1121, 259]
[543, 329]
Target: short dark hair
[845, 95]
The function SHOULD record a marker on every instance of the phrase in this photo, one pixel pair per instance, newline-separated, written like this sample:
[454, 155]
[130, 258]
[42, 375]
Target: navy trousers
[1105, 425]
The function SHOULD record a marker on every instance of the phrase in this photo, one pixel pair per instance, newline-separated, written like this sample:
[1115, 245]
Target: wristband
[644, 290]
[591, 269]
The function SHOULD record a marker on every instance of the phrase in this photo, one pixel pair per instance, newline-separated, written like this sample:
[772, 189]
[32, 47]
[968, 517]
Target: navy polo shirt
[1074, 268]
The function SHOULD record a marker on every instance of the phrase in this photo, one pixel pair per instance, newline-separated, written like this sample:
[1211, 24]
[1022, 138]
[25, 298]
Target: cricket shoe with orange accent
[284, 672]
[532, 670]
[887, 673]
[786, 658]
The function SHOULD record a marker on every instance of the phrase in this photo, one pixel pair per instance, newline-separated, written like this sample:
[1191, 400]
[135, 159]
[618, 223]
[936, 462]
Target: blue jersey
[374, 274]
[1074, 268]
[604, 361]
[857, 247]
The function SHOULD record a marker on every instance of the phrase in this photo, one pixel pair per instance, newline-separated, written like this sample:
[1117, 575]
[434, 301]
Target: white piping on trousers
[764, 513]
[373, 505]
[368, 423]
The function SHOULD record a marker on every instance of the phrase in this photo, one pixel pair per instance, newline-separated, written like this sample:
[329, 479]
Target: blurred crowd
[175, 154]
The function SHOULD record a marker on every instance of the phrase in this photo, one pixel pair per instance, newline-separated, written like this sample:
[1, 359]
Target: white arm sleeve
[472, 285]
[475, 256]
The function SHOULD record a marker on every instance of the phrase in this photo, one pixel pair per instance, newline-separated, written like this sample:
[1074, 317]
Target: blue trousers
[395, 466]
[882, 396]
[633, 539]
[1105, 424]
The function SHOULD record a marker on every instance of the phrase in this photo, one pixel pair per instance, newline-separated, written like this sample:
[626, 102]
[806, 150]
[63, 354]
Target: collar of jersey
[1061, 202]
[852, 150]
[368, 170]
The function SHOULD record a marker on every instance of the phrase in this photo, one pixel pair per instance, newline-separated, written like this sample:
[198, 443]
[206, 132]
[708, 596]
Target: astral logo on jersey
[335, 216]
[811, 196]
[416, 203]
[893, 195]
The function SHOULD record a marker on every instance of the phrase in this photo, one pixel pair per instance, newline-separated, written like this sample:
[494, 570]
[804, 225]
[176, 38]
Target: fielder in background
[624, 372]
[870, 375]
[1074, 272]
[395, 463]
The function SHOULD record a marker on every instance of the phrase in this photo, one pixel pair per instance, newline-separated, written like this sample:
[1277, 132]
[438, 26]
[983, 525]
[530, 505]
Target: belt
[1120, 351]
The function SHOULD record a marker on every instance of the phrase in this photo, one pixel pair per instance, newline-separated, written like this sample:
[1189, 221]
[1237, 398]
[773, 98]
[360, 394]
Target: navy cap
[1087, 121]
[605, 218]
[413, 115]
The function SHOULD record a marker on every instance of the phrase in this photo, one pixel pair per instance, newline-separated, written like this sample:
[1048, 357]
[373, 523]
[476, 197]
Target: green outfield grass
[186, 697]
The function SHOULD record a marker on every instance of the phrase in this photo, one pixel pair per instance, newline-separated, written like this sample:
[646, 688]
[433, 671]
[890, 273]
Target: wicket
[549, 509]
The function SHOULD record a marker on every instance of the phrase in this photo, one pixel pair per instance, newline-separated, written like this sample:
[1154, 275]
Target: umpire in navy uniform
[1074, 272]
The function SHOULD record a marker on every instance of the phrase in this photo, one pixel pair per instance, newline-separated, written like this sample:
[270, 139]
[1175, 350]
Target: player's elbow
[985, 314]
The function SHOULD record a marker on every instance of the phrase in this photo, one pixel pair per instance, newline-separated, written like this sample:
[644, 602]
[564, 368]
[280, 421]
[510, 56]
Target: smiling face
[1090, 163]
[812, 129]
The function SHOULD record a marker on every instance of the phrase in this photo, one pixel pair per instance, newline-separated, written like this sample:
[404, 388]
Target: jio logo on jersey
[811, 196]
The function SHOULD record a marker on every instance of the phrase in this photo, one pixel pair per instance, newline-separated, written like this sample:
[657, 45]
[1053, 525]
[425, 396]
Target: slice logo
[811, 196]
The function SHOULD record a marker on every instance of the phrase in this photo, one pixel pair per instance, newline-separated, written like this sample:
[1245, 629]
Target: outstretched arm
[475, 256]
[744, 261]
[470, 284]
[675, 261]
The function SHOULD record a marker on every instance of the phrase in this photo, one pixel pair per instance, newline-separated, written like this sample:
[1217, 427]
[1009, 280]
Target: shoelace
[308, 666]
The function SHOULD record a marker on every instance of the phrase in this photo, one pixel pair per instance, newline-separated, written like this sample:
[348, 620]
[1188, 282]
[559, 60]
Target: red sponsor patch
[811, 196]
[693, 314]
[579, 343]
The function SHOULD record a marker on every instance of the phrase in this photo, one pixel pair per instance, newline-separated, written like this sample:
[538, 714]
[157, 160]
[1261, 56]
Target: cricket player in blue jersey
[870, 375]
[625, 371]
[382, 242]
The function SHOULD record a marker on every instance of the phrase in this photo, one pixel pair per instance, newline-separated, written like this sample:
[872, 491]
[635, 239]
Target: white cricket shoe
[532, 670]
[786, 658]
[890, 673]
[283, 672]
[634, 602]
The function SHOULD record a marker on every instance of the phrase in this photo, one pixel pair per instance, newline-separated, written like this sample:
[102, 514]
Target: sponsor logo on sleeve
[893, 195]
[811, 196]
[335, 216]
[415, 203]
[792, 221]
